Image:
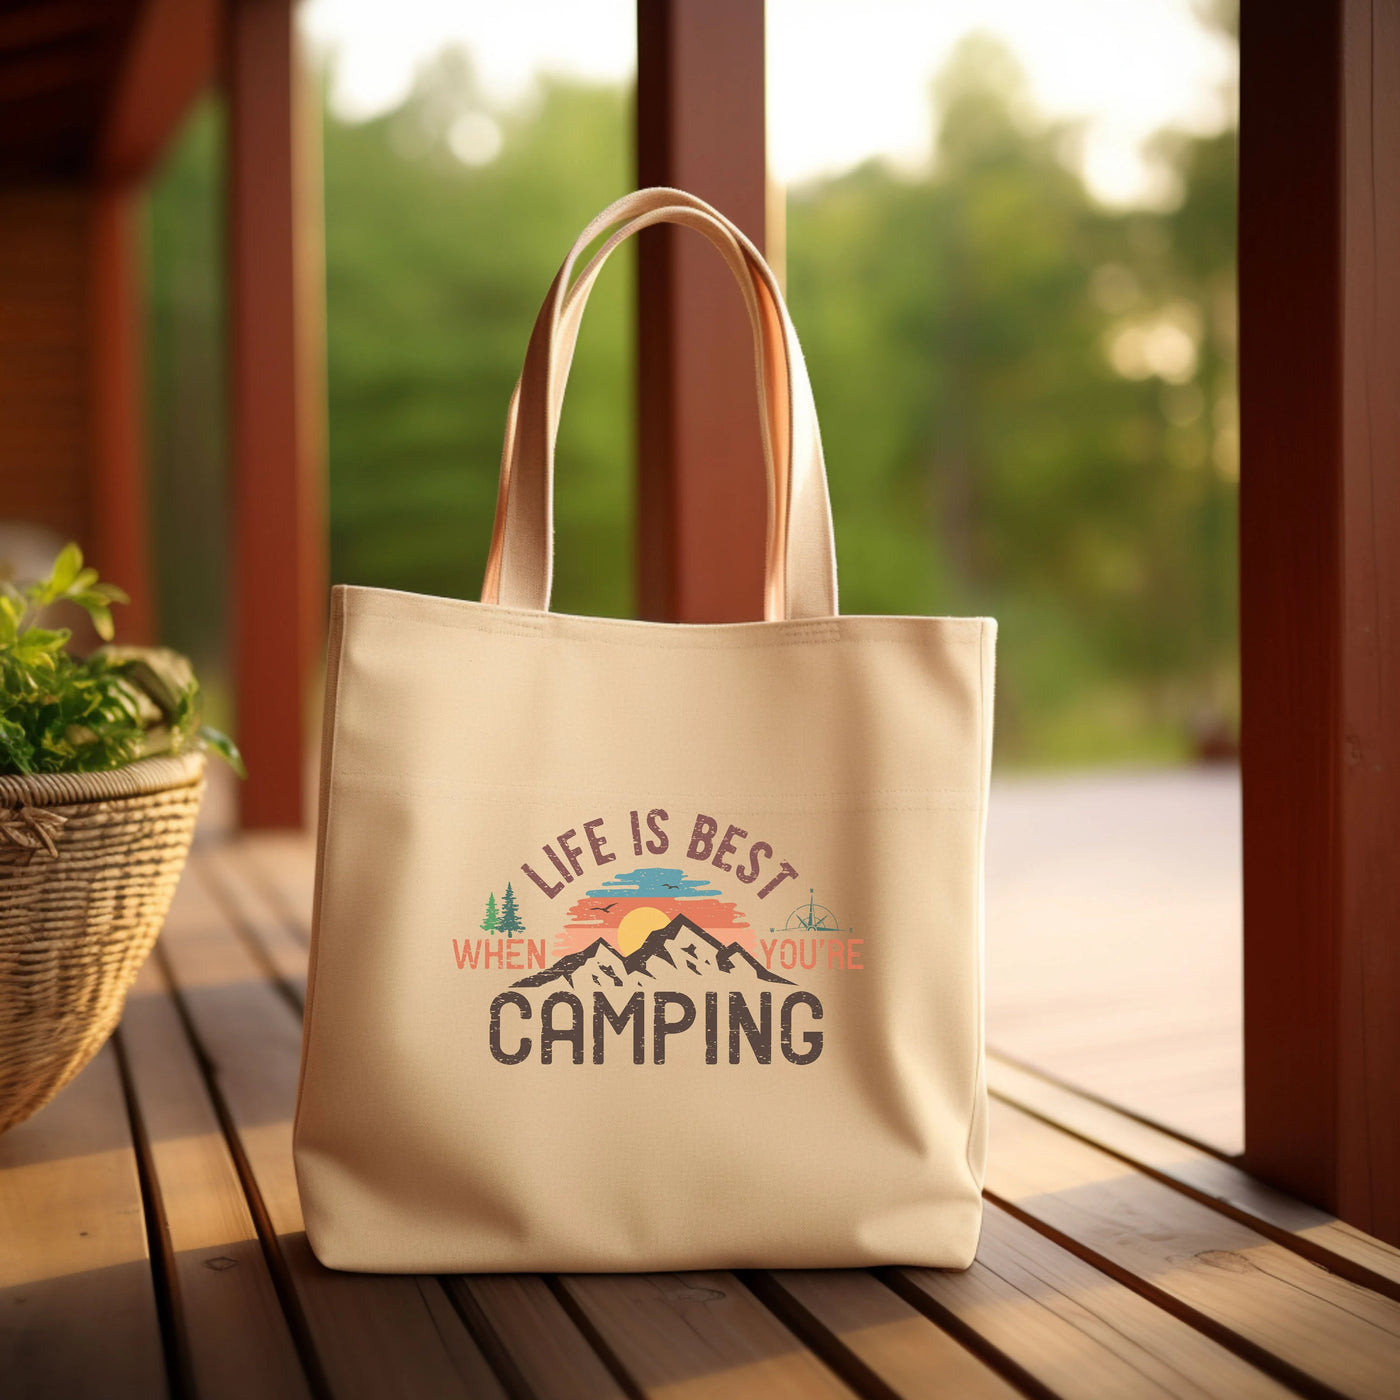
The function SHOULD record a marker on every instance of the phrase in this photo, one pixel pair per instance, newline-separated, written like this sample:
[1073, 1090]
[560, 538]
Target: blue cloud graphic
[655, 883]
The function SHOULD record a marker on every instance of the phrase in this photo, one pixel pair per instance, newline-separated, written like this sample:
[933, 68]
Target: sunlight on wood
[71, 1165]
[1114, 940]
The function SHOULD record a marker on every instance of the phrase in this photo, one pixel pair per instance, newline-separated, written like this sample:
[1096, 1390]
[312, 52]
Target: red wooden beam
[119, 535]
[169, 60]
[67, 71]
[166, 60]
[1320, 600]
[701, 494]
[54, 22]
[277, 401]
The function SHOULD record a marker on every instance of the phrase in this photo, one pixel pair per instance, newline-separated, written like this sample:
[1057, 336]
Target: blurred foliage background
[1027, 399]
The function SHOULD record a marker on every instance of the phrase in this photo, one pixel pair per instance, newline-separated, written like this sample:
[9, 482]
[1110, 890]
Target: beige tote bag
[642, 946]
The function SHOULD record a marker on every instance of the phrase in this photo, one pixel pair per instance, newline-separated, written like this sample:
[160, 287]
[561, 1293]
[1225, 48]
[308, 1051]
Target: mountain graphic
[670, 960]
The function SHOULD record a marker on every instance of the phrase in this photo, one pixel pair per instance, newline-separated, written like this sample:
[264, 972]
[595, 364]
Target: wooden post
[167, 62]
[701, 495]
[1320, 600]
[167, 59]
[276, 401]
[120, 533]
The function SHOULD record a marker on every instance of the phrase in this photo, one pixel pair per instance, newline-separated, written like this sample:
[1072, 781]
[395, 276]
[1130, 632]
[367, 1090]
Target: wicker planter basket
[88, 865]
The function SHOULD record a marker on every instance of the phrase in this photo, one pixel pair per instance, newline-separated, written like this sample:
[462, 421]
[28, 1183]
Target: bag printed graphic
[654, 952]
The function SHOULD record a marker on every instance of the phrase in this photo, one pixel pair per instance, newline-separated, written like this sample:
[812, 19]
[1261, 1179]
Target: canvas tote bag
[643, 946]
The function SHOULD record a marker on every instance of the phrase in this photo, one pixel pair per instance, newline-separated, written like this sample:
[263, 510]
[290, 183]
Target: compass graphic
[812, 918]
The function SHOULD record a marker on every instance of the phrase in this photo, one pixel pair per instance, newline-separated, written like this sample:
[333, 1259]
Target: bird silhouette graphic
[670, 887]
[603, 908]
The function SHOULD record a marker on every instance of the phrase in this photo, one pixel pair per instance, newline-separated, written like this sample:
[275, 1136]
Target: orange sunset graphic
[627, 908]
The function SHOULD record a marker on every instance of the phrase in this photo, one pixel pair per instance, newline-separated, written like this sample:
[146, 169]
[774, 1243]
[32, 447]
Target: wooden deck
[151, 1243]
[1115, 939]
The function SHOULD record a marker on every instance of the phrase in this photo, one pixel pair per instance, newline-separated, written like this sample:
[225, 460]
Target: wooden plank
[1266, 1302]
[278, 485]
[1319, 583]
[77, 1303]
[536, 1342]
[893, 1345]
[283, 866]
[234, 1340]
[684, 1336]
[371, 1334]
[1139, 872]
[265, 931]
[1069, 1330]
[700, 127]
[1334, 1244]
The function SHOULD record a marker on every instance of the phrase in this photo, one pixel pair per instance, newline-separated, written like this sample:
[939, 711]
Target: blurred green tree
[1015, 387]
[1027, 399]
[186, 420]
[435, 271]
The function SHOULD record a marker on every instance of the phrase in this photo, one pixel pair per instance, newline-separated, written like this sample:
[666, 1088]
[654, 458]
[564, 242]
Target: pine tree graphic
[492, 921]
[509, 921]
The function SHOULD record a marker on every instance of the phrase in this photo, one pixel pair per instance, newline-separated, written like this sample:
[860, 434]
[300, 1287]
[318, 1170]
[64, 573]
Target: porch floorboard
[153, 1240]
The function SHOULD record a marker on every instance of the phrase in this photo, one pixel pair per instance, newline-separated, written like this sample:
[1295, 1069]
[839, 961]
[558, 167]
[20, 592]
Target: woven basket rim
[145, 776]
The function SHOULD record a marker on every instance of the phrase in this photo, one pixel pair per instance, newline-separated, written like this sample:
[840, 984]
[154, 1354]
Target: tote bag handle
[800, 565]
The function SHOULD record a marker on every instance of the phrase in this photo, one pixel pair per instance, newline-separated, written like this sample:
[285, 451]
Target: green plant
[61, 713]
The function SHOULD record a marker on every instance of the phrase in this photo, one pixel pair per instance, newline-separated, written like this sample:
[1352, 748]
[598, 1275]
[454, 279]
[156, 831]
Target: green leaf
[63, 714]
[65, 569]
[35, 641]
[10, 614]
[16, 752]
[224, 746]
[95, 605]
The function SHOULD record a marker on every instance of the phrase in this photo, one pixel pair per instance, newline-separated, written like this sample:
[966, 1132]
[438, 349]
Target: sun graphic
[632, 932]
